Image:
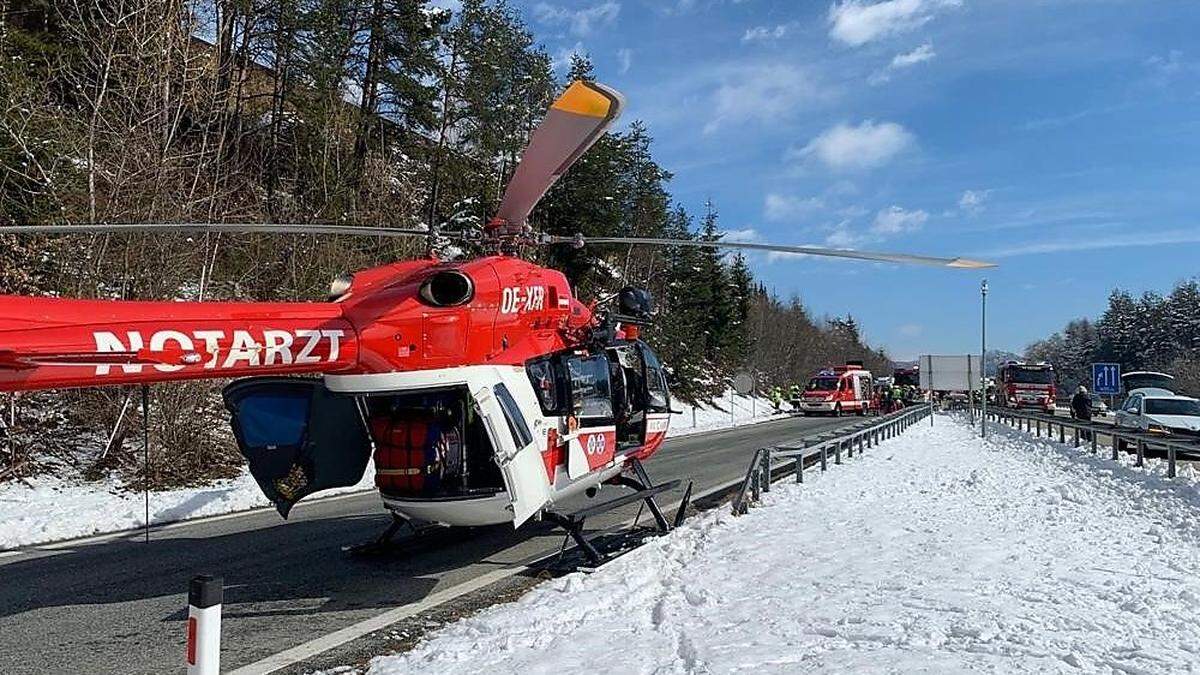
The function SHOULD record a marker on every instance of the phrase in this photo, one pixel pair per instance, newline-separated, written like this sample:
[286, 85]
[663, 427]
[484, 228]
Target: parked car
[1160, 413]
[1099, 407]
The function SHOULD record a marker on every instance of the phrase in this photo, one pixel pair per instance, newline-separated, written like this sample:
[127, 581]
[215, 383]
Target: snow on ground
[693, 419]
[49, 509]
[934, 552]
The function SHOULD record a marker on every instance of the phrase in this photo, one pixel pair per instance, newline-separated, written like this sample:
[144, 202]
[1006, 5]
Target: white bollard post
[204, 625]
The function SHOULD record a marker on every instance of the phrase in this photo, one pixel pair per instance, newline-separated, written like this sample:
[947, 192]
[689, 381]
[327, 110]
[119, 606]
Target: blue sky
[1060, 139]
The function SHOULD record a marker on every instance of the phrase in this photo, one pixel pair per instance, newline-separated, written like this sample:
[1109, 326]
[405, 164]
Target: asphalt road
[119, 606]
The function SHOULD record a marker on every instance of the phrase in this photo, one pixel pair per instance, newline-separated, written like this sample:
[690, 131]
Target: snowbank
[693, 419]
[934, 552]
[50, 509]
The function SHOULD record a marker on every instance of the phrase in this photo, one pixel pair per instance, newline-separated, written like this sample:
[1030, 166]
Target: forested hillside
[1153, 332]
[369, 112]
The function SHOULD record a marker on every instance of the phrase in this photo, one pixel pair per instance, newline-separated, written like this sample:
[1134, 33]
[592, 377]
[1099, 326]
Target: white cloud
[895, 220]
[842, 236]
[845, 148]
[855, 23]
[1169, 65]
[744, 235]
[921, 54]
[1060, 121]
[580, 22]
[777, 207]
[762, 93]
[1094, 243]
[561, 60]
[766, 33]
[624, 60]
[911, 330]
[972, 201]
[1166, 69]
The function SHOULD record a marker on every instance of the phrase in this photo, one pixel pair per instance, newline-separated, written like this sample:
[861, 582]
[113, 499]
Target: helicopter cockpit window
[591, 395]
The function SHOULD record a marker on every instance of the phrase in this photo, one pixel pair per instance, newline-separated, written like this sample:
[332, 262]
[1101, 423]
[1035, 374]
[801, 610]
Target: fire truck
[1025, 385]
[838, 390]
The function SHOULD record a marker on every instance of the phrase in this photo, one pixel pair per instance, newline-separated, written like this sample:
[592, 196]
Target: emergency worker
[1081, 405]
[1081, 409]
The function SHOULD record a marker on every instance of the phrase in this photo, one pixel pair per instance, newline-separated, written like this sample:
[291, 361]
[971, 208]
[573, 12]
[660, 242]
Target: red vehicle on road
[838, 390]
[1026, 385]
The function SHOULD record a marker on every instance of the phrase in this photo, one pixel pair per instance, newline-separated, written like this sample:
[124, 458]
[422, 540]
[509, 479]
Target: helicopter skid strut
[385, 541]
[643, 490]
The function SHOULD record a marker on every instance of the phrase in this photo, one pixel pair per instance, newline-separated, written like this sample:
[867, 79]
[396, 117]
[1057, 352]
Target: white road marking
[340, 637]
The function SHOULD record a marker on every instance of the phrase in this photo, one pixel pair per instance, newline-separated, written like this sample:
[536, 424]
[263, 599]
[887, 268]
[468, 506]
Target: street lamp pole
[983, 289]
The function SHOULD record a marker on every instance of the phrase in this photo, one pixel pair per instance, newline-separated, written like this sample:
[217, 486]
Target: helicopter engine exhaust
[448, 288]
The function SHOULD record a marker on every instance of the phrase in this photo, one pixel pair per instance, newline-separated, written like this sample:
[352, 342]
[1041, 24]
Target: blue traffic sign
[1106, 378]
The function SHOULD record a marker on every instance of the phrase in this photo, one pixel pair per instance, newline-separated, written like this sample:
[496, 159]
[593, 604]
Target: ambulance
[837, 391]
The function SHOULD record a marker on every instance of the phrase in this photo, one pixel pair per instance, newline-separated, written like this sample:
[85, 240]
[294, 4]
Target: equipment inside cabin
[431, 444]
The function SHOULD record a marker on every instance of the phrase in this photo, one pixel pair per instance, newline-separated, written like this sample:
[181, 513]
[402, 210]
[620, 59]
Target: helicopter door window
[545, 377]
[591, 394]
[513, 417]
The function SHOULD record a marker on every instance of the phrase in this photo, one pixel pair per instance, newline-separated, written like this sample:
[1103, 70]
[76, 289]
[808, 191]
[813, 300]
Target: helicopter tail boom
[51, 343]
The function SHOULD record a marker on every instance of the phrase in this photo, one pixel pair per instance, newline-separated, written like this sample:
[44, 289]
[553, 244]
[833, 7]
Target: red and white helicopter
[485, 390]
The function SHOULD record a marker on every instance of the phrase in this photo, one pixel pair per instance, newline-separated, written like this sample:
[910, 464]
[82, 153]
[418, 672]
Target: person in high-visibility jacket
[777, 398]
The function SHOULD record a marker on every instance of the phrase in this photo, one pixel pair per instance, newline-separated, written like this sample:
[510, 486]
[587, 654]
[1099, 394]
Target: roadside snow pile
[50, 509]
[934, 552]
[693, 419]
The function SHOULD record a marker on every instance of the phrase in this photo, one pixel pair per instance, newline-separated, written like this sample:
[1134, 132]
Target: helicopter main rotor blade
[570, 127]
[906, 258]
[270, 228]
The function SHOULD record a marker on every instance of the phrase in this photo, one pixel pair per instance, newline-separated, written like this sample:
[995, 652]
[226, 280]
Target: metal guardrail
[862, 435]
[1031, 422]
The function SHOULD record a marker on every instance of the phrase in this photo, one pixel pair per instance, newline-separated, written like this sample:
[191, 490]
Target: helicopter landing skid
[386, 539]
[644, 491]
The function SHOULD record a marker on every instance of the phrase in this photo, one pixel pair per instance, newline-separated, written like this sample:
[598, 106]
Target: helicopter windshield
[658, 397]
[591, 393]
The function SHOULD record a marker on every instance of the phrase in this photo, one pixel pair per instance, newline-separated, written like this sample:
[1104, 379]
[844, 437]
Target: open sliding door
[519, 459]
